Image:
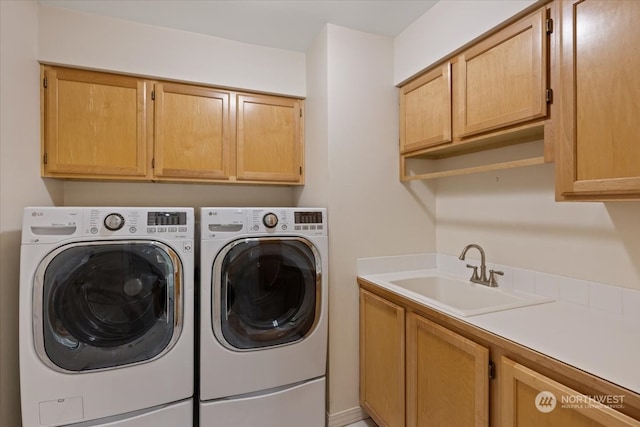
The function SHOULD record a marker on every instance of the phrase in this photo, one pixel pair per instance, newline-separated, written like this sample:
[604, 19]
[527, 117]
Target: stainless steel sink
[465, 298]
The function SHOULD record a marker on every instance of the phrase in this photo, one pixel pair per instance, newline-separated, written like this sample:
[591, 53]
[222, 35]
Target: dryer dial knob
[114, 221]
[270, 220]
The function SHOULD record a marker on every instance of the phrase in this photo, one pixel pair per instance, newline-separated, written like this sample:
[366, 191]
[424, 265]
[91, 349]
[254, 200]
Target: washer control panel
[52, 224]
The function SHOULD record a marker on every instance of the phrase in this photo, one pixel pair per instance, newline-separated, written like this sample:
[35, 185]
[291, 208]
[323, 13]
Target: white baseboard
[346, 417]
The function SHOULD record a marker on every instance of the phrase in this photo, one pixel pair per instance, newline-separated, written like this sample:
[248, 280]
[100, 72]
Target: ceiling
[283, 24]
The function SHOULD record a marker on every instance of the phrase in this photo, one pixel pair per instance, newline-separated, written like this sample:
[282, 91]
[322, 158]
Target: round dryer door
[107, 304]
[266, 292]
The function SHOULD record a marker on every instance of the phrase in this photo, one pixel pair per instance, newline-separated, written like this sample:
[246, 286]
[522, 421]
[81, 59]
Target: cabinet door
[425, 110]
[269, 139]
[192, 132]
[94, 125]
[502, 80]
[531, 399]
[447, 377]
[599, 142]
[382, 360]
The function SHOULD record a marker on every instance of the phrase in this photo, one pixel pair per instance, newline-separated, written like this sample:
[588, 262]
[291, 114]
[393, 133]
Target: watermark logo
[546, 402]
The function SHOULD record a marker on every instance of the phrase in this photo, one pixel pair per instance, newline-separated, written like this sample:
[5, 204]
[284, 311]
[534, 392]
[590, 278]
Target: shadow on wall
[625, 219]
[10, 267]
[418, 189]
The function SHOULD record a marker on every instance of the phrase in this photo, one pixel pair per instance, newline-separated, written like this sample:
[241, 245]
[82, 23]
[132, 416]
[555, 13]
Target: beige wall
[447, 26]
[20, 182]
[370, 212]
[513, 216]
[91, 41]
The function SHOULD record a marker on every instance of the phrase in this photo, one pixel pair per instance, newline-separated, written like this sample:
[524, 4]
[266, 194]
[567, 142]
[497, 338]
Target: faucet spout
[483, 267]
[473, 245]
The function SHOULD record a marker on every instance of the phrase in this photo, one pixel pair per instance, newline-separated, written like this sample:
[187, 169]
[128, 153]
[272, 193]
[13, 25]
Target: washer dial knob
[270, 220]
[114, 221]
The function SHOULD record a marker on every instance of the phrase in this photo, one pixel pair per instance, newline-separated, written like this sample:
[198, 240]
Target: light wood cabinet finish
[491, 93]
[269, 138]
[114, 127]
[425, 110]
[192, 132]
[95, 124]
[382, 353]
[521, 397]
[445, 356]
[502, 80]
[447, 377]
[599, 138]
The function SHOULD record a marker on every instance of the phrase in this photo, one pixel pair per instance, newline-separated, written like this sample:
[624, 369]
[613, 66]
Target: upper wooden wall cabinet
[108, 126]
[493, 93]
[598, 140]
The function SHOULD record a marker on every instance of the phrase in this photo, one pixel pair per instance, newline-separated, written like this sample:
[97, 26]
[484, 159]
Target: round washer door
[266, 292]
[107, 304]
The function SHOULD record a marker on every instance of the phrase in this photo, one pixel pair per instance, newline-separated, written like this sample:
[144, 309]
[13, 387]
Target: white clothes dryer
[263, 317]
[107, 317]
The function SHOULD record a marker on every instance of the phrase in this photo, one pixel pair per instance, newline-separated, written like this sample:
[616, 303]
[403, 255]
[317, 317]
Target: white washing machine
[263, 317]
[107, 317]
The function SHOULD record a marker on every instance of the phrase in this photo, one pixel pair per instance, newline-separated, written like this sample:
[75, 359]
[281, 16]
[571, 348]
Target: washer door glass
[267, 292]
[107, 304]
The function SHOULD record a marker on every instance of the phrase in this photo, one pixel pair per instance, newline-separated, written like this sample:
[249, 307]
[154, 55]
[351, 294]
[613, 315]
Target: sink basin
[466, 298]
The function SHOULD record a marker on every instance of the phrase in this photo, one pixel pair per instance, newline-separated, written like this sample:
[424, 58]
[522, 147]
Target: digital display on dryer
[167, 218]
[308, 217]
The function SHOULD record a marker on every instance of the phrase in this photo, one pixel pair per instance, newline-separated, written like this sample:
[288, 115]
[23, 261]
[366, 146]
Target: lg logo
[37, 214]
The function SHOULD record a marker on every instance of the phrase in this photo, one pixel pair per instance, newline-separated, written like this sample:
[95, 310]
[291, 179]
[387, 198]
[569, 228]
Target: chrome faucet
[482, 279]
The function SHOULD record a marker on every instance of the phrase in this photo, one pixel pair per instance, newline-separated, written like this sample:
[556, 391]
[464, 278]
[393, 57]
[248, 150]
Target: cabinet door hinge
[45, 158]
[153, 95]
[492, 370]
[45, 83]
[549, 97]
[549, 25]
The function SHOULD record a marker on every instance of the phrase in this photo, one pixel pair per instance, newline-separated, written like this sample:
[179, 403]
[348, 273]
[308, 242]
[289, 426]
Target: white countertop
[601, 343]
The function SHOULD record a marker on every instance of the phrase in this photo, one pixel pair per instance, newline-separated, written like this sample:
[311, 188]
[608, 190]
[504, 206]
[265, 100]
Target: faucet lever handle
[474, 276]
[492, 277]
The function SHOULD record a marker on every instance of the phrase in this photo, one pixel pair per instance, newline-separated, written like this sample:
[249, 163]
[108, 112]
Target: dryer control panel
[220, 222]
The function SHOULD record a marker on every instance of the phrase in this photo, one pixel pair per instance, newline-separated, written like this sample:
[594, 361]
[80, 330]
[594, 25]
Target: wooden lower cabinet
[447, 377]
[532, 399]
[382, 383]
[422, 368]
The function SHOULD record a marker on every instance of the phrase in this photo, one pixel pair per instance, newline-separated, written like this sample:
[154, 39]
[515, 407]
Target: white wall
[449, 25]
[370, 212]
[20, 182]
[91, 41]
[513, 216]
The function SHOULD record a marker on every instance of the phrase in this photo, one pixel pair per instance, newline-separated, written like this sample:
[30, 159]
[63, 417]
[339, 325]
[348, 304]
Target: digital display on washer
[167, 218]
[308, 217]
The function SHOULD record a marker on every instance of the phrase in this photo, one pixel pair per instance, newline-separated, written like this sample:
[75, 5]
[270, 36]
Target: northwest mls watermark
[546, 401]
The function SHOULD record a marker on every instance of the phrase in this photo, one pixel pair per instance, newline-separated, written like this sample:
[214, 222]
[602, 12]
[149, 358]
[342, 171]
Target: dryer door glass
[108, 304]
[268, 292]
